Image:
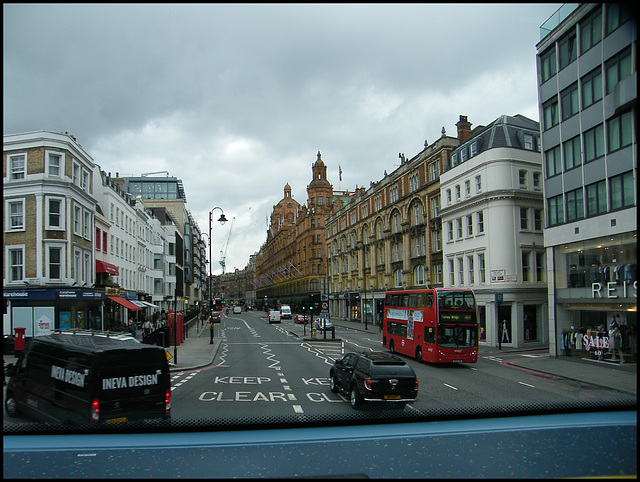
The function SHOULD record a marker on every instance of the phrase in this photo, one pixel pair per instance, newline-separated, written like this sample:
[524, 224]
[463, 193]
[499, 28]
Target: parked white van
[285, 311]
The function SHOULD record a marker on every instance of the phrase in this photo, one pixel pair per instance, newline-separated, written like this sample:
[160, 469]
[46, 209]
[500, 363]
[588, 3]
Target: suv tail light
[367, 384]
[95, 411]
[167, 402]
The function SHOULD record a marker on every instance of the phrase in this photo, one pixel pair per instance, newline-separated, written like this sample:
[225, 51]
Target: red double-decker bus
[436, 325]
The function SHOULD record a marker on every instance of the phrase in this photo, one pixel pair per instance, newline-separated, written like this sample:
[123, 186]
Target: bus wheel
[419, 354]
[391, 347]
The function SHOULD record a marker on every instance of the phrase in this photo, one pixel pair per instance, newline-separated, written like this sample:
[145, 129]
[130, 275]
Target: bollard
[333, 332]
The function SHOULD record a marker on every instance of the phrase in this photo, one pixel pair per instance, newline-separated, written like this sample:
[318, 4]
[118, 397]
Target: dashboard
[588, 444]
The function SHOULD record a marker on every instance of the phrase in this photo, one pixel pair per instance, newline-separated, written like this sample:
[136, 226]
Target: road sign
[169, 356]
[325, 306]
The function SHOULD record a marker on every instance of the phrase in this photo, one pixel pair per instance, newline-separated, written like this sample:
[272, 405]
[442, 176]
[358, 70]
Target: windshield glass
[257, 190]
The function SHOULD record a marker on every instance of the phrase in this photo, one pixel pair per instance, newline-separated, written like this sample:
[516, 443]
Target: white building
[492, 229]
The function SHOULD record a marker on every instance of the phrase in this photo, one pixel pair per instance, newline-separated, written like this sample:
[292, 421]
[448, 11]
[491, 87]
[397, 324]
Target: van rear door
[133, 384]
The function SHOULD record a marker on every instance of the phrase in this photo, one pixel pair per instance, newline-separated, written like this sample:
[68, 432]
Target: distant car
[274, 316]
[300, 319]
[216, 316]
[237, 309]
[374, 377]
[323, 324]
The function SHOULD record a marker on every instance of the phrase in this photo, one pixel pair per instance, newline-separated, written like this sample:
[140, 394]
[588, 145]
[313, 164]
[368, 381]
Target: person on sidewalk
[132, 326]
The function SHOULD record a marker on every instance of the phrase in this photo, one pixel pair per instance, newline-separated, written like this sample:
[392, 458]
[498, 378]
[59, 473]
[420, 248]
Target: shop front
[596, 299]
[42, 310]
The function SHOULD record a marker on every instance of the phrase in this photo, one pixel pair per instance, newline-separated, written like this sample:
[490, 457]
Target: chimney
[464, 128]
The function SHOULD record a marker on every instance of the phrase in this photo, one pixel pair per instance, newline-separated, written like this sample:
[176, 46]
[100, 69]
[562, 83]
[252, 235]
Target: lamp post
[221, 220]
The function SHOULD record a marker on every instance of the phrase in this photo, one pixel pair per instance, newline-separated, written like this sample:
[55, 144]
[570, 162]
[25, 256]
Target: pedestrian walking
[146, 327]
[132, 327]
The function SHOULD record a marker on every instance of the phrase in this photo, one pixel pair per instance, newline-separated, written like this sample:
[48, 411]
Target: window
[85, 180]
[591, 88]
[480, 221]
[548, 64]
[553, 161]
[469, 225]
[77, 220]
[54, 164]
[15, 221]
[87, 224]
[448, 196]
[621, 189]
[18, 168]
[435, 207]
[16, 263]
[75, 174]
[569, 101]
[98, 239]
[434, 171]
[540, 267]
[459, 227]
[525, 266]
[397, 278]
[596, 198]
[437, 268]
[537, 219]
[575, 205]
[461, 270]
[555, 210]
[478, 183]
[572, 153]
[451, 273]
[104, 241]
[593, 143]
[617, 14]
[418, 275]
[449, 231]
[522, 179]
[481, 269]
[524, 218]
[457, 192]
[55, 215]
[467, 187]
[550, 113]
[591, 31]
[436, 236]
[470, 267]
[620, 132]
[536, 181]
[54, 262]
[528, 142]
[617, 69]
[568, 50]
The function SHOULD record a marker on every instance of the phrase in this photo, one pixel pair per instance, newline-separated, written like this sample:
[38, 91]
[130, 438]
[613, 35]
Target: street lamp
[221, 220]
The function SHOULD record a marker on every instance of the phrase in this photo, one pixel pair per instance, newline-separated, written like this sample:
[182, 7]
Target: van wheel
[11, 406]
[419, 354]
[391, 349]
[332, 383]
[354, 397]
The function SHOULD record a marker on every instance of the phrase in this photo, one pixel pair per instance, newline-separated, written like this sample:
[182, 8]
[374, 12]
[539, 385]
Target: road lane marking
[526, 384]
[450, 386]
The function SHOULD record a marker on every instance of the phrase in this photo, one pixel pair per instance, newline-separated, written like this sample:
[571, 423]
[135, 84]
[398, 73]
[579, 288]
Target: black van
[89, 377]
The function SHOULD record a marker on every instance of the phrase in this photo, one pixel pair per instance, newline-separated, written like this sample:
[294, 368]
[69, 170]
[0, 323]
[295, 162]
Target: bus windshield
[456, 307]
[457, 336]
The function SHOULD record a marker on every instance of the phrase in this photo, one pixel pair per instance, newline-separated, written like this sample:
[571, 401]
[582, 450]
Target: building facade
[48, 238]
[291, 264]
[492, 218]
[390, 235]
[587, 91]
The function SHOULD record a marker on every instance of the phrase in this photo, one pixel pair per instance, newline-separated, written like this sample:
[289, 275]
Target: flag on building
[340, 171]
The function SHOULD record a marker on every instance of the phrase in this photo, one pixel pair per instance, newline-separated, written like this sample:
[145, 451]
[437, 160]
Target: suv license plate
[392, 397]
[117, 420]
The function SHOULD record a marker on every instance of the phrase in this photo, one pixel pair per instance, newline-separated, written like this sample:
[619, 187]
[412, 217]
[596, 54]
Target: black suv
[374, 377]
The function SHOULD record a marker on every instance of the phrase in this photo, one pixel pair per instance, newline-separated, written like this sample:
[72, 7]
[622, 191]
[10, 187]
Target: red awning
[125, 303]
[103, 267]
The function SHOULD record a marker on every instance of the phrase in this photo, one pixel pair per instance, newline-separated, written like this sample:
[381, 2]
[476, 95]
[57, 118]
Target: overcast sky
[236, 100]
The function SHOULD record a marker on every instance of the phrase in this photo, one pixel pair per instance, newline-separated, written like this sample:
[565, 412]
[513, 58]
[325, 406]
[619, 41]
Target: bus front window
[457, 336]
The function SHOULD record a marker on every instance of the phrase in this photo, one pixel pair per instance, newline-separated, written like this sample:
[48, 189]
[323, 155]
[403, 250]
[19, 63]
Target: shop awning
[125, 303]
[104, 267]
[150, 305]
[139, 303]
